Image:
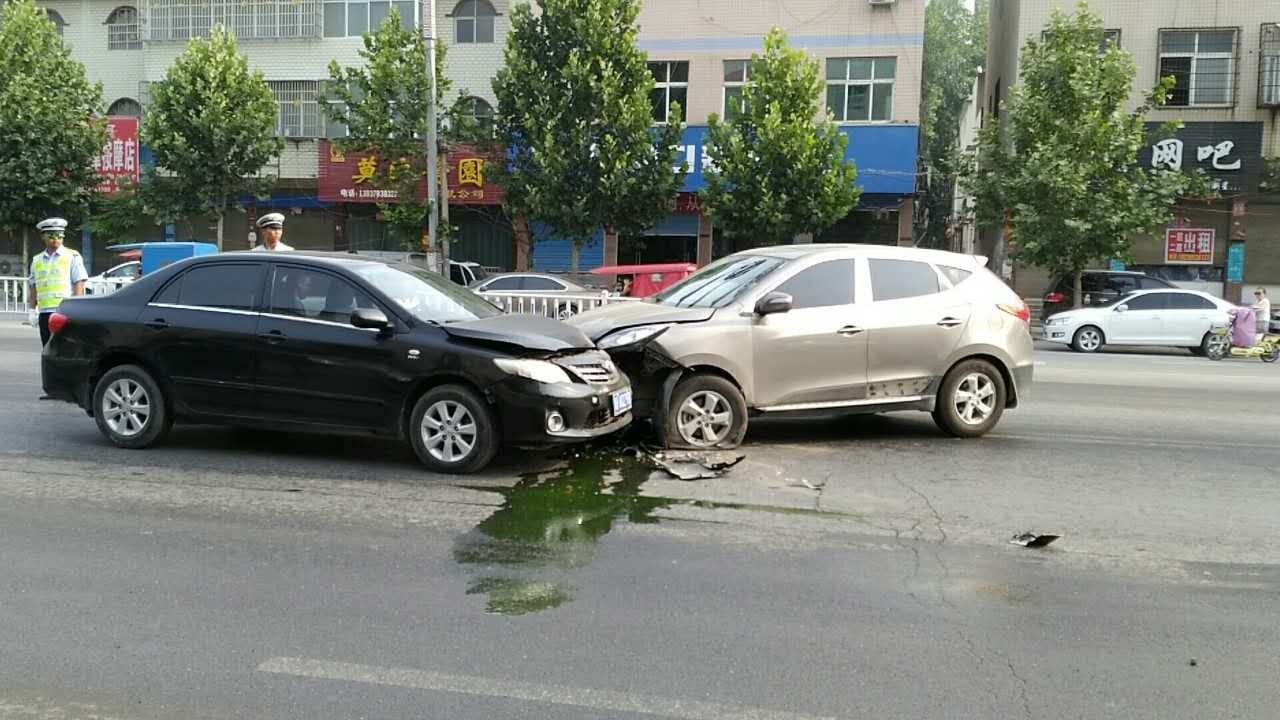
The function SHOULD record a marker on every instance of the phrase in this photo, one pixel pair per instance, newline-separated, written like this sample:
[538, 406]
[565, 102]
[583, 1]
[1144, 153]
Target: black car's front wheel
[130, 407]
[453, 430]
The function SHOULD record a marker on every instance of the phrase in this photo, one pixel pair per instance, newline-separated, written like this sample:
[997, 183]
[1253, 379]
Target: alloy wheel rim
[1089, 340]
[449, 431]
[126, 407]
[705, 419]
[975, 399]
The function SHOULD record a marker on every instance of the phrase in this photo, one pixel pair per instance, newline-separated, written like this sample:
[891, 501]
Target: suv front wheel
[971, 399]
[706, 412]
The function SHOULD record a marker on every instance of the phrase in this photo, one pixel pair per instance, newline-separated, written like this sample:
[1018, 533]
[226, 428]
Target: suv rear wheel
[971, 399]
[706, 412]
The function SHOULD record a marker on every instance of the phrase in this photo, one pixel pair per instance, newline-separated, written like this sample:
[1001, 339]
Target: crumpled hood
[618, 316]
[526, 331]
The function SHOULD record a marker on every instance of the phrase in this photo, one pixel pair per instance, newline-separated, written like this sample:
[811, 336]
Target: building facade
[1225, 58]
[871, 52]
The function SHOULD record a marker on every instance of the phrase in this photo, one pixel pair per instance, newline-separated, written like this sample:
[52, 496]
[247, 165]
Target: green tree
[955, 45]
[212, 126]
[574, 111]
[384, 102]
[1064, 160]
[51, 128]
[778, 169]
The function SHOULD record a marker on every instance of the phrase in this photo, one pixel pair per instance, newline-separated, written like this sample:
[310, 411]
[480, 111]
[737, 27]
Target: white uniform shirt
[280, 247]
[78, 273]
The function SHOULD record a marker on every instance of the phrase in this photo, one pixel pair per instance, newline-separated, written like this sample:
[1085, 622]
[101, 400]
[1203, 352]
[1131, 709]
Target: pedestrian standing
[1262, 310]
[56, 273]
[271, 227]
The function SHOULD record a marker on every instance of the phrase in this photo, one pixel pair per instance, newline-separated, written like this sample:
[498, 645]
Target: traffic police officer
[271, 226]
[56, 273]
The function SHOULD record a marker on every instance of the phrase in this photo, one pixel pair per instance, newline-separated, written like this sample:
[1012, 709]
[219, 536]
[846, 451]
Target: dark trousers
[44, 328]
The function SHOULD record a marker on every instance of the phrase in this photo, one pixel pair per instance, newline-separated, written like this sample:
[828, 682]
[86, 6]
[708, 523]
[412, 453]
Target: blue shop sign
[1235, 263]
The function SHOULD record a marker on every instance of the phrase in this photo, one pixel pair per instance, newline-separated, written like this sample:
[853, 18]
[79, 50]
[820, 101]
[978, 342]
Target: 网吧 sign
[1188, 246]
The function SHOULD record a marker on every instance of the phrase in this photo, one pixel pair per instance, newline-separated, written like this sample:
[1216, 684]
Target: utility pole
[433, 142]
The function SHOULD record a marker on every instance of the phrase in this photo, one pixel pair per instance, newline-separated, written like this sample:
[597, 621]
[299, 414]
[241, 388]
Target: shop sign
[1230, 153]
[1235, 263]
[1188, 246]
[118, 161]
[352, 177]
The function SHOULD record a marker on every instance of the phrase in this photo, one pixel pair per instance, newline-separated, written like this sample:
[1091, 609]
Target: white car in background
[1153, 318]
[113, 279]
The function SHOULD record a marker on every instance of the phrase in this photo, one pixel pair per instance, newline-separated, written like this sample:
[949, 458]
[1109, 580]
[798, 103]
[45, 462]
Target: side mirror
[1122, 308]
[368, 319]
[773, 303]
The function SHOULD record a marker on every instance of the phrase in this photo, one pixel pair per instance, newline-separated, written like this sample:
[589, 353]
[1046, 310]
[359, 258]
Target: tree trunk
[1077, 285]
[222, 212]
[524, 242]
[26, 253]
[575, 250]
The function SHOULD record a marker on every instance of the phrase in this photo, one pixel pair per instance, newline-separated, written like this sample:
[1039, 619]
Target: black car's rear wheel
[130, 408]
[453, 430]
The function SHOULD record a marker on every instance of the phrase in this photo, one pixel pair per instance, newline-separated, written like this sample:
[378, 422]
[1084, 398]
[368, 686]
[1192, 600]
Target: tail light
[57, 321]
[1054, 297]
[1020, 311]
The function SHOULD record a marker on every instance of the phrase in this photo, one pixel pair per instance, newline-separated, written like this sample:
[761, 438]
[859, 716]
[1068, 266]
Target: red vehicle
[645, 280]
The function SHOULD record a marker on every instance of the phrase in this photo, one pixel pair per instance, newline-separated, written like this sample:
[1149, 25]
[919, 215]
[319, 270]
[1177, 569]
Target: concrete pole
[432, 149]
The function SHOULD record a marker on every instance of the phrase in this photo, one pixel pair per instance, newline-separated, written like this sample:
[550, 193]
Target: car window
[897, 279]
[541, 283]
[317, 295]
[234, 287]
[424, 294]
[1089, 282]
[1121, 284]
[457, 275]
[504, 284]
[823, 285]
[1150, 283]
[954, 274]
[1187, 301]
[719, 283]
[171, 293]
[122, 271]
[1150, 301]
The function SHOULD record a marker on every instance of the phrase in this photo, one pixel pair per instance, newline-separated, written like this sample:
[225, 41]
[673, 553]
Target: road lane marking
[607, 700]
[1136, 442]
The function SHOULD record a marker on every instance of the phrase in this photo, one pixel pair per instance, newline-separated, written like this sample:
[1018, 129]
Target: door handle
[949, 322]
[849, 330]
[272, 336]
[156, 324]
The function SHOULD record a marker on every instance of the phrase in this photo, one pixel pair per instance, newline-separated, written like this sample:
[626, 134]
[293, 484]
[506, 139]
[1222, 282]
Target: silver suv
[832, 329]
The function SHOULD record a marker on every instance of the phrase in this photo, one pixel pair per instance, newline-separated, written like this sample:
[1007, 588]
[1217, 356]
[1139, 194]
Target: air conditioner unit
[881, 2]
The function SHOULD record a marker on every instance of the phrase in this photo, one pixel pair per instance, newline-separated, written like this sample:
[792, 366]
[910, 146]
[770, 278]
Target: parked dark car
[1100, 287]
[330, 343]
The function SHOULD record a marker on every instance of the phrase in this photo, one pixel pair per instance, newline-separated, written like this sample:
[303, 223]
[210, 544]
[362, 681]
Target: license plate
[621, 402]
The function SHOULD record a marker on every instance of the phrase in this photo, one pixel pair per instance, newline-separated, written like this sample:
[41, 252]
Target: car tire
[1088, 339]
[971, 399]
[453, 430]
[700, 402]
[130, 408]
[1206, 343]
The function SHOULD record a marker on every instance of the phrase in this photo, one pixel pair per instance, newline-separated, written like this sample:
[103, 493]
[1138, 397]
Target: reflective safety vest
[53, 278]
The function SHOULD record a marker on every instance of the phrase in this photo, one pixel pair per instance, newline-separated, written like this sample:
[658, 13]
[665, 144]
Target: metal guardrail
[13, 295]
[552, 305]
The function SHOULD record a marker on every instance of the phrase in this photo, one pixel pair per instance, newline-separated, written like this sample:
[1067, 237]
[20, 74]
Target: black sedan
[330, 343]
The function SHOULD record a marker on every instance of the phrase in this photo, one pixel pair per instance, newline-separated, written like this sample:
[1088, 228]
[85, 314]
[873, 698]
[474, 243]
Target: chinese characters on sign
[353, 177]
[118, 160]
[1229, 153]
[1189, 246]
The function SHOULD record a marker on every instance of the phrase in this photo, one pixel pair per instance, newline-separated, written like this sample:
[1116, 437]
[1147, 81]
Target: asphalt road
[238, 575]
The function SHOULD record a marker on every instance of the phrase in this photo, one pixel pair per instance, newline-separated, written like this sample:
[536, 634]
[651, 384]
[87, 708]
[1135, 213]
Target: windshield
[424, 294]
[719, 283]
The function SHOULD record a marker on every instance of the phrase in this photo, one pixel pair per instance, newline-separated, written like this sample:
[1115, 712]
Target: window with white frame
[1269, 66]
[861, 89]
[1202, 64]
[736, 75]
[124, 32]
[353, 18]
[299, 115]
[479, 110]
[125, 107]
[473, 22]
[670, 85]
[58, 23]
[169, 20]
